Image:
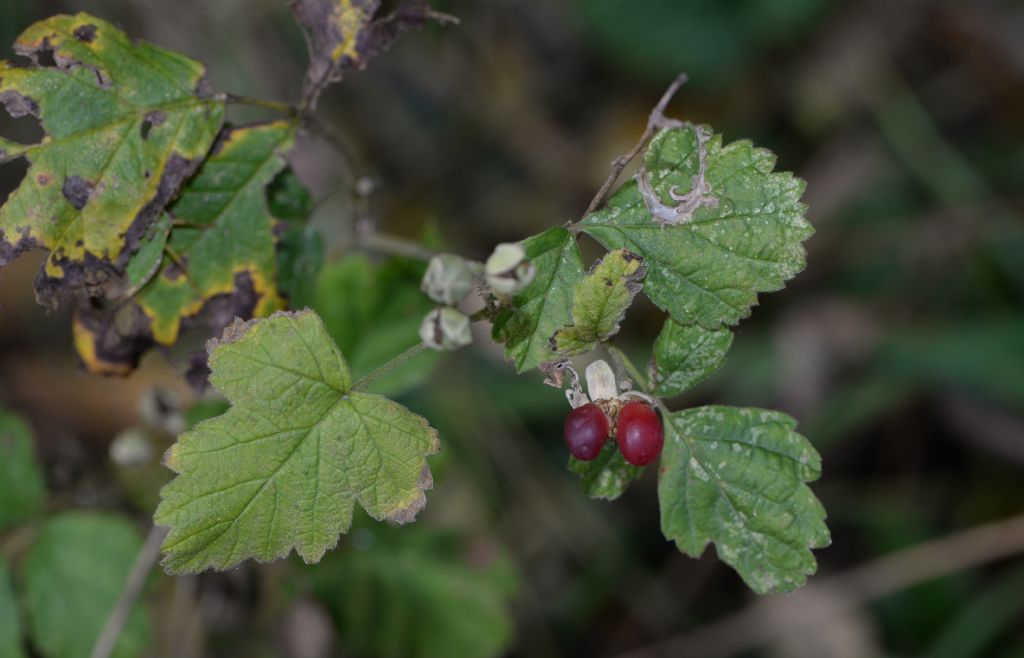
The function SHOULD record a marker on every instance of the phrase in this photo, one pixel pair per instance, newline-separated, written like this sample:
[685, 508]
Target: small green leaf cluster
[701, 230]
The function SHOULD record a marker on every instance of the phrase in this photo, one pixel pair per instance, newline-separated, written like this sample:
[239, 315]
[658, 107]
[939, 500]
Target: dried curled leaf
[284, 467]
[126, 123]
[343, 34]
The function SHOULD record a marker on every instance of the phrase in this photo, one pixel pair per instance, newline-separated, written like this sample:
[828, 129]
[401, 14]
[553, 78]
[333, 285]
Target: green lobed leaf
[22, 486]
[684, 355]
[373, 312]
[284, 467]
[126, 123]
[10, 617]
[736, 477]
[607, 476]
[600, 301]
[709, 270]
[526, 324]
[416, 595]
[73, 575]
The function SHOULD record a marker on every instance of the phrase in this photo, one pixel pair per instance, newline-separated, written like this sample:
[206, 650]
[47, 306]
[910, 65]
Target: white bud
[601, 381]
[507, 270]
[449, 278]
[445, 329]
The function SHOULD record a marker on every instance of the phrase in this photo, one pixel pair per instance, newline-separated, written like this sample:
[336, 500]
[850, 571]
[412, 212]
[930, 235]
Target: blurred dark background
[900, 349]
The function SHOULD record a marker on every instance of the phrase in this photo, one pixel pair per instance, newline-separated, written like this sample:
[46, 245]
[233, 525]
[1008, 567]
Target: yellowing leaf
[600, 300]
[125, 124]
[220, 257]
[284, 467]
[224, 240]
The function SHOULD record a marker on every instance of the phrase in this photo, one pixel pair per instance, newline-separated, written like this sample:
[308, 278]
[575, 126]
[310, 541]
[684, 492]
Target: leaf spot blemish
[77, 191]
[152, 120]
[85, 33]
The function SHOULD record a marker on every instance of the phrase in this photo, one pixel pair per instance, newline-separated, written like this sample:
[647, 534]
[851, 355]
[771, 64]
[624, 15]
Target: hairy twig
[130, 593]
[391, 245]
[830, 597]
[391, 365]
[655, 122]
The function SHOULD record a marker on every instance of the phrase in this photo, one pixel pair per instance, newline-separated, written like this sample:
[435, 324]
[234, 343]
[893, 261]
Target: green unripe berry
[445, 329]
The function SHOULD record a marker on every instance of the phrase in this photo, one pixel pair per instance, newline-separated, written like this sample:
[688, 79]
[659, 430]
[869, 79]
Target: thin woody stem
[130, 593]
[277, 106]
[655, 122]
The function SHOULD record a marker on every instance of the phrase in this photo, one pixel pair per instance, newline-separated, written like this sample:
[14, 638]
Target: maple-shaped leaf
[284, 467]
[220, 259]
[684, 355]
[600, 300]
[737, 477]
[125, 124]
[711, 250]
[533, 315]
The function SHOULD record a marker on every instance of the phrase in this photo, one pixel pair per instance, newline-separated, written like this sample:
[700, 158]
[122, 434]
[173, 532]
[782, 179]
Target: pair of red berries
[639, 432]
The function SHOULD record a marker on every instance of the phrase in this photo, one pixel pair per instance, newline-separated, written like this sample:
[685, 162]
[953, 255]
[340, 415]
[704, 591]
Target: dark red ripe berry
[639, 434]
[586, 430]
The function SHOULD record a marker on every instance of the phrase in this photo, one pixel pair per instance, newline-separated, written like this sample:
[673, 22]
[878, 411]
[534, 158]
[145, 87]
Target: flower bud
[449, 278]
[507, 270]
[445, 328]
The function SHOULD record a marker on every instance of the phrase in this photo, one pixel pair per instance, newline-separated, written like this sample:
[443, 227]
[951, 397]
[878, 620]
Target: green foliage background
[900, 349]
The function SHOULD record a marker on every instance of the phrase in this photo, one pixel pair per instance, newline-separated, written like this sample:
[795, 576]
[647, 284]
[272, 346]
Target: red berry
[639, 434]
[586, 430]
